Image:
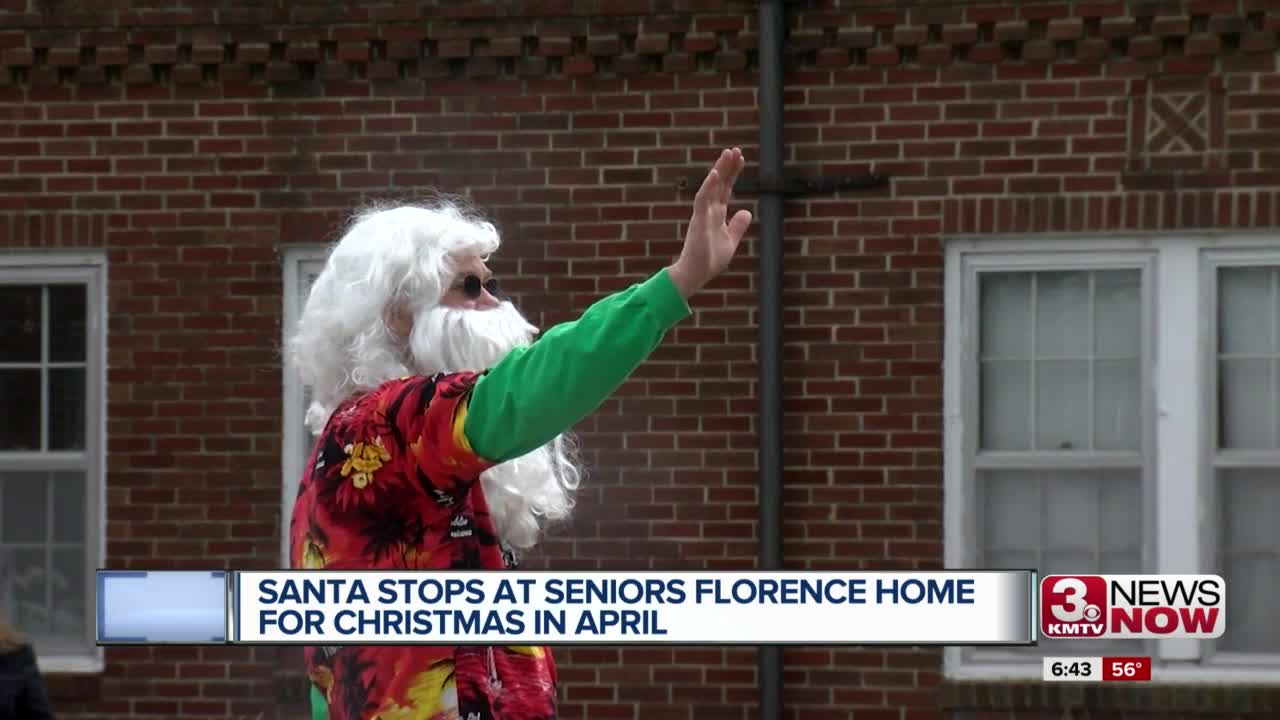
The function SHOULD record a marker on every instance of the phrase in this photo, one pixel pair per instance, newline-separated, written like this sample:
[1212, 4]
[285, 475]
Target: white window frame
[90, 269]
[1179, 390]
[295, 439]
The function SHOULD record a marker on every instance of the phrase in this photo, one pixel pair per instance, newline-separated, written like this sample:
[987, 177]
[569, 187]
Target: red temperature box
[1126, 669]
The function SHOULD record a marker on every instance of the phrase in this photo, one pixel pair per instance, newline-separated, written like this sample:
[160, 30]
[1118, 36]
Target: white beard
[448, 340]
[520, 492]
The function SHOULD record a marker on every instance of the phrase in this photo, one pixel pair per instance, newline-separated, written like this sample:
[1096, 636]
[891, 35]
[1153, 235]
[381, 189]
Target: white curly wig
[402, 259]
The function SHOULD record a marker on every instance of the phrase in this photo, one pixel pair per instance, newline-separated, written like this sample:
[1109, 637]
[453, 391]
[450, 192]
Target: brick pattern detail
[48, 230]
[303, 44]
[1177, 124]
[191, 143]
[1171, 210]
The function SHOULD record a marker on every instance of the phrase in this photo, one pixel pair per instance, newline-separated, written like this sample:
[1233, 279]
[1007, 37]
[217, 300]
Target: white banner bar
[161, 607]
[330, 607]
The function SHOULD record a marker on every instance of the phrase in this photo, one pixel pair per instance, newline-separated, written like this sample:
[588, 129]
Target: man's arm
[538, 392]
[477, 420]
[319, 706]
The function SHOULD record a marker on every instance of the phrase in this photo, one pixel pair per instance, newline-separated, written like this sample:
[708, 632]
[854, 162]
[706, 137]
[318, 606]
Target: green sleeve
[319, 707]
[538, 392]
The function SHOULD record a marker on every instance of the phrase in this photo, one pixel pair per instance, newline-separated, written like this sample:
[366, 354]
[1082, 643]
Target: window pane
[1245, 398]
[1246, 309]
[1006, 405]
[67, 315]
[1073, 518]
[1073, 403]
[1006, 315]
[20, 324]
[66, 409]
[1010, 514]
[1062, 314]
[23, 591]
[1275, 411]
[1121, 563]
[1117, 405]
[69, 507]
[24, 514]
[1067, 522]
[308, 270]
[1117, 313]
[1119, 532]
[1062, 405]
[1250, 559]
[20, 419]
[67, 619]
[1247, 349]
[1011, 560]
[1120, 503]
[1075, 511]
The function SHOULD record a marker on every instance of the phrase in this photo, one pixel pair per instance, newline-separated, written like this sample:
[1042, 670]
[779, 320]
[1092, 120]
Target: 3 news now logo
[1132, 606]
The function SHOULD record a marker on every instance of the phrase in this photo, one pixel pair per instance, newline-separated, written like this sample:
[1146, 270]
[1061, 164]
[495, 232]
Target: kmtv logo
[1132, 606]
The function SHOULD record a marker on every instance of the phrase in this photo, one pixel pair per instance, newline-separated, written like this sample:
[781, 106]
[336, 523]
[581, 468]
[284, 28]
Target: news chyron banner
[162, 607]
[1133, 606]
[331, 607]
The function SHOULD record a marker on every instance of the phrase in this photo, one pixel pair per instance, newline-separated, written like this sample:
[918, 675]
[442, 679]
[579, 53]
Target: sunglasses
[473, 287]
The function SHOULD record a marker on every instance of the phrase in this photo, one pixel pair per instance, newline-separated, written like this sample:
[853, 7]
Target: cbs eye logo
[1073, 606]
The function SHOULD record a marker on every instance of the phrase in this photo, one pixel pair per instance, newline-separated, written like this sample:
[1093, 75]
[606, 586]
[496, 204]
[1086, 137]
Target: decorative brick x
[1176, 124]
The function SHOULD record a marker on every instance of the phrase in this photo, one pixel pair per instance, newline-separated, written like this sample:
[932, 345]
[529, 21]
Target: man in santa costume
[441, 431]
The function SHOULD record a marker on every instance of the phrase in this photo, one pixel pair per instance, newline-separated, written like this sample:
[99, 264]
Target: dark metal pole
[772, 39]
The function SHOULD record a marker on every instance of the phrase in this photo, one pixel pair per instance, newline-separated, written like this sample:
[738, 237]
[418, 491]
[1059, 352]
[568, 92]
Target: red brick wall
[190, 143]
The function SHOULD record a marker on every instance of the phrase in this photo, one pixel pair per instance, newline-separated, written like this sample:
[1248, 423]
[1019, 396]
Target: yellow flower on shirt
[363, 460]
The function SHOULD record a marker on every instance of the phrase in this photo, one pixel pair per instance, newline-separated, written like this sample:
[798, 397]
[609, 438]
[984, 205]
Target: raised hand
[711, 241]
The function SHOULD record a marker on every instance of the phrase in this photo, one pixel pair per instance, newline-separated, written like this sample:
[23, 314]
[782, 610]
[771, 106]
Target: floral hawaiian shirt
[393, 484]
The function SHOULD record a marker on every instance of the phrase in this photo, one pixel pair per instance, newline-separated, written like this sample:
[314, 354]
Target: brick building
[1079, 214]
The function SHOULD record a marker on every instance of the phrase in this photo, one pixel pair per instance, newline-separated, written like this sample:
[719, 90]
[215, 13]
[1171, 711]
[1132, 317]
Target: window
[1246, 458]
[51, 452]
[1113, 406]
[301, 267]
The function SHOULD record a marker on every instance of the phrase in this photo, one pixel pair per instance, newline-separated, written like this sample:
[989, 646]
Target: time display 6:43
[1073, 669]
[1097, 669]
